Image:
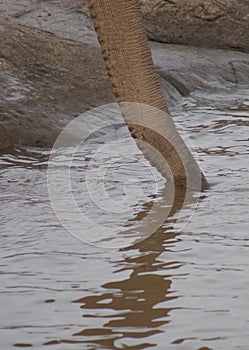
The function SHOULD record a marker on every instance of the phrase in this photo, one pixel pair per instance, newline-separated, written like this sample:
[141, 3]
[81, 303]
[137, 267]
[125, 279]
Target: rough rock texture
[209, 23]
[45, 81]
[191, 68]
[65, 18]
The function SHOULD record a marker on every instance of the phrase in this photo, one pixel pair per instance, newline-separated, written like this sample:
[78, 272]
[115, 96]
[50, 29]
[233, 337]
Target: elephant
[126, 52]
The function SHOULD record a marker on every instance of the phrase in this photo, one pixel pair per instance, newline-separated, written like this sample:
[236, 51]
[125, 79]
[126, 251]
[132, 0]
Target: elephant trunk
[126, 52]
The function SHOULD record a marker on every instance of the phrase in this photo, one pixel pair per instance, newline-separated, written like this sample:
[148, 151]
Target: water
[171, 290]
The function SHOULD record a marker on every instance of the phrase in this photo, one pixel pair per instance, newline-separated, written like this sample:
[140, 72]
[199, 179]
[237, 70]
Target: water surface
[172, 290]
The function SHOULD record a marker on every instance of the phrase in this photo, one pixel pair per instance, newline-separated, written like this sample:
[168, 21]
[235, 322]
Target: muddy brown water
[172, 290]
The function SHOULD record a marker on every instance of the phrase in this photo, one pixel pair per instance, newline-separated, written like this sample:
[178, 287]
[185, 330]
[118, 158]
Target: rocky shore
[51, 68]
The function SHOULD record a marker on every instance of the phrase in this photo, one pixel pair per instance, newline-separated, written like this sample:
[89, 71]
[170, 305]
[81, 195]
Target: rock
[45, 81]
[65, 18]
[216, 24]
[191, 68]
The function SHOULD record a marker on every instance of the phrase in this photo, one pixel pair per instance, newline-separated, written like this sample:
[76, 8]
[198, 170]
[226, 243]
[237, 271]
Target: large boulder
[45, 81]
[206, 23]
[209, 23]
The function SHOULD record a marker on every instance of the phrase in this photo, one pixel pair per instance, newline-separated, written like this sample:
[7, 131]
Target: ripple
[169, 291]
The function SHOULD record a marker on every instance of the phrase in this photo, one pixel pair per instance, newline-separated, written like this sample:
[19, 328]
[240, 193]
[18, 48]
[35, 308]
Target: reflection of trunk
[212, 23]
[128, 59]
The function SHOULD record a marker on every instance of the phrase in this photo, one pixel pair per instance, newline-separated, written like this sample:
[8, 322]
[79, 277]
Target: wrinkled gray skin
[126, 52]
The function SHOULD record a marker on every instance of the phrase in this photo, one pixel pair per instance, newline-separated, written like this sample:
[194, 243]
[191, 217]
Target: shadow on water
[133, 308]
[129, 309]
